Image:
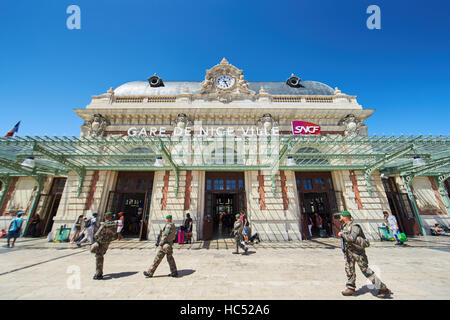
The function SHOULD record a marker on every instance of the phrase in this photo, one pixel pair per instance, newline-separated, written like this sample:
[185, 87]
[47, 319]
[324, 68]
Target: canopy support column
[386, 159]
[441, 187]
[6, 180]
[406, 181]
[40, 183]
[168, 158]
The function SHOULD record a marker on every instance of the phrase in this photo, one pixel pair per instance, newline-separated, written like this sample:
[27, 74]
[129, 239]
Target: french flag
[13, 130]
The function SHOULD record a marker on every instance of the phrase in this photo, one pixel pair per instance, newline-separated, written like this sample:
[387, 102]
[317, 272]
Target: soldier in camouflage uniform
[105, 234]
[165, 248]
[353, 239]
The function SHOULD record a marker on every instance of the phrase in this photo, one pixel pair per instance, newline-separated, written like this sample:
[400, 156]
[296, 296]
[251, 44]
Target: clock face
[224, 82]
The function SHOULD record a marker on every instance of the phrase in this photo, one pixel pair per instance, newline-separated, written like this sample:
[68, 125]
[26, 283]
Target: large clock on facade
[224, 82]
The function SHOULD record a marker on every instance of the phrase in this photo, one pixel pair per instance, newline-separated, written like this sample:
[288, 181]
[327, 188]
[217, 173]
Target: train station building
[281, 151]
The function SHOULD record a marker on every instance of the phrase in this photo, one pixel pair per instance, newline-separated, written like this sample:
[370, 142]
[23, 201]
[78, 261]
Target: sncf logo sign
[302, 128]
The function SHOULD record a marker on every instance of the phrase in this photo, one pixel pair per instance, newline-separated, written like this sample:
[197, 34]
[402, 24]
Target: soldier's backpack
[361, 241]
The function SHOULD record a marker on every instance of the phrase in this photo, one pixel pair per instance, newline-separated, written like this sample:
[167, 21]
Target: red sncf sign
[302, 128]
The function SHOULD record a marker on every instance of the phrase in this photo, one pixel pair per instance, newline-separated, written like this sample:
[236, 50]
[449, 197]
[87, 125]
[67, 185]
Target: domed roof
[172, 88]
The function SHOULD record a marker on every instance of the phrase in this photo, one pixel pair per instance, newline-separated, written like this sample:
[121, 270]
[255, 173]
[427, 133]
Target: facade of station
[280, 151]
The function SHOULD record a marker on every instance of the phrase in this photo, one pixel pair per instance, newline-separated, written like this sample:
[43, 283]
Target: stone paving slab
[36, 269]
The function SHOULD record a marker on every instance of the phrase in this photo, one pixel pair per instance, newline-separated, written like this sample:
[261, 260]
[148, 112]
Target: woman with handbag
[188, 227]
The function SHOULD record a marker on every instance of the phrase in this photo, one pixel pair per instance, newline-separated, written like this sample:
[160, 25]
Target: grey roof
[171, 88]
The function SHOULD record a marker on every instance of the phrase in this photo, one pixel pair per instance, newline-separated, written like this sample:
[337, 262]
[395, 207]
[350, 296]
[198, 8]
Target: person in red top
[120, 225]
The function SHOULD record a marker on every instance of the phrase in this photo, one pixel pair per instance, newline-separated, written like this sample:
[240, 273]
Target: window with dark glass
[208, 184]
[307, 184]
[218, 184]
[231, 184]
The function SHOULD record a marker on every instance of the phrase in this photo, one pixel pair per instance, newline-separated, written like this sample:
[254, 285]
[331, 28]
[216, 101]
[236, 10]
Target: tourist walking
[354, 244]
[188, 227]
[103, 237]
[120, 225]
[14, 229]
[89, 225]
[245, 225]
[34, 230]
[165, 248]
[77, 228]
[392, 224]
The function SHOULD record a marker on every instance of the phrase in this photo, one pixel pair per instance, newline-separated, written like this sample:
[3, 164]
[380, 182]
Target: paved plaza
[36, 269]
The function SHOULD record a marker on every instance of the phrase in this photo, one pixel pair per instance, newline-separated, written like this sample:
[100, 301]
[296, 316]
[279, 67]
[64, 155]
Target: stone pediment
[224, 82]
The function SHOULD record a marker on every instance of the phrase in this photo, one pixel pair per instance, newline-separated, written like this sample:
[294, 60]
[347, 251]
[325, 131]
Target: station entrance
[132, 196]
[224, 197]
[318, 203]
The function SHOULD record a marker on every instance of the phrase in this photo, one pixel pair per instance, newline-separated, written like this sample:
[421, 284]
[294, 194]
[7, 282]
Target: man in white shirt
[90, 226]
[392, 224]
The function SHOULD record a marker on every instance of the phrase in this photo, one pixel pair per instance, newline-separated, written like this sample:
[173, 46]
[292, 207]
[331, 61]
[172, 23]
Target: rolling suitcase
[181, 236]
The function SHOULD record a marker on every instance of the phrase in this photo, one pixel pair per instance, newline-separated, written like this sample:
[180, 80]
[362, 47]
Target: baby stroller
[254, 238]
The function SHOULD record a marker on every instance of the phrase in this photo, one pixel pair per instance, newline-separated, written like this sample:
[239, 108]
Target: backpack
[361, 242]
[88, 223]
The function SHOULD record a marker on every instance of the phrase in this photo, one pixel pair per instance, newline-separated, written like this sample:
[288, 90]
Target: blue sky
[402, 70]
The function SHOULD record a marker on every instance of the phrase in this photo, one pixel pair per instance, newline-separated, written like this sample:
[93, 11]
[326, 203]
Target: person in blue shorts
[245, 227]
[14, 229]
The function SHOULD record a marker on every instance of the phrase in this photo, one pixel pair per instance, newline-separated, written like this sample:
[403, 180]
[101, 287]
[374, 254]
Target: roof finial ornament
[224, 61]
[337, 91]
[262, 91]
[110, 91]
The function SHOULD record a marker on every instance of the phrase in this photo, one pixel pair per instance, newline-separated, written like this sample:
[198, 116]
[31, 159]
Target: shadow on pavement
[185, 272]
[365, 289]
[118, 275]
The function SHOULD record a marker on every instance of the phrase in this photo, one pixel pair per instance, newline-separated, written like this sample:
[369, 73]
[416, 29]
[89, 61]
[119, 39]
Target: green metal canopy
[391, 155]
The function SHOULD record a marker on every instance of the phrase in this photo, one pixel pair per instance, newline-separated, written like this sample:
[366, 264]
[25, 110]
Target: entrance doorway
[47, 207]
[401, 208]
[224, 197]
[318, 203]
[132, 197]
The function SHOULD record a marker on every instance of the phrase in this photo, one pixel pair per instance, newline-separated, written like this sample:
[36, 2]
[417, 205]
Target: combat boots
[173, 275]
[383, 293]
[98, 277]
[147, 275]
[348, 292]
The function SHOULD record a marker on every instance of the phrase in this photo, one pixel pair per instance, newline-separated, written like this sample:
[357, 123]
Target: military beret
[345, 214]
[108, 214]
[169, 216]
[237, 215]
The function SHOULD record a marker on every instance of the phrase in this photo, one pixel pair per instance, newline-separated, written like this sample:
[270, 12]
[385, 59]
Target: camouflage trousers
[352, 257]
[103, 247]
[159, 256]
[237, 240]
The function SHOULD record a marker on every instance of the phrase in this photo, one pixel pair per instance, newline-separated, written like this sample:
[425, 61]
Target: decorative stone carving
[266, 122]
[352, 125]
[95, 127]
[238, 90]
[182, 121]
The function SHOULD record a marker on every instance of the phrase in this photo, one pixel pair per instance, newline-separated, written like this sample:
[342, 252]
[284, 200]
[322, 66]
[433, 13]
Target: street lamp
[29, 162]
[290, 161]
[159, 162]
